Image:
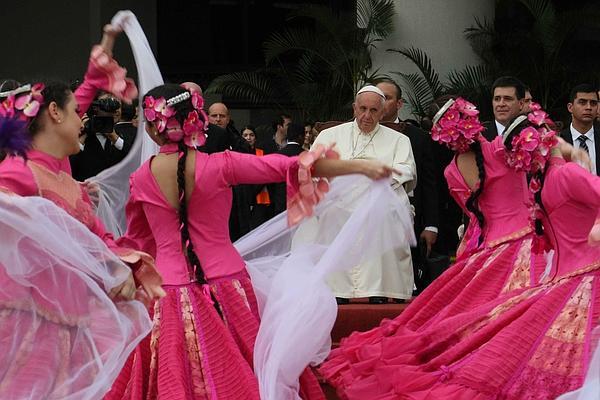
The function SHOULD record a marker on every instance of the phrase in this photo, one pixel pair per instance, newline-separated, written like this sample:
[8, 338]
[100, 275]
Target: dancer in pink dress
[63, 336]
[500, 253]
[204, 330]
[52, 114]
[533, 344]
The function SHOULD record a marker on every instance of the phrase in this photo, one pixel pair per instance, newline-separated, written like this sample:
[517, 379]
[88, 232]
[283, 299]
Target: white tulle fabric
[114, 181]
[358, 220]
[591, 386]
[61, 335]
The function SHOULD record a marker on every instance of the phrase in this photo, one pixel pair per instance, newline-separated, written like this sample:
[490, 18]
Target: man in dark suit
[584, 130]
[126, 129]
[424, 197]
[508, 101]
[279, 139]
[101, 147]
[295, 139]
[221, 135]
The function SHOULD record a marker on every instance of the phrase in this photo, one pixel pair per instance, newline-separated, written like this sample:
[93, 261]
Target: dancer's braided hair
[182, 109]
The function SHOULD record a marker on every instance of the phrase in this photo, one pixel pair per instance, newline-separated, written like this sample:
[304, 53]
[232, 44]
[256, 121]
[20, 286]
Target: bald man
[218, 114]
[223, 137]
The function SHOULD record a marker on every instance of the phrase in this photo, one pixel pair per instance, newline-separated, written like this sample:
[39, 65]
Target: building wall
[52, 39]
[436, 27]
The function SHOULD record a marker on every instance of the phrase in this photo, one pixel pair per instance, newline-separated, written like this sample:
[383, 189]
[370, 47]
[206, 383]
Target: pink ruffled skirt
[533, 344]
[194, 354]
[478, 278]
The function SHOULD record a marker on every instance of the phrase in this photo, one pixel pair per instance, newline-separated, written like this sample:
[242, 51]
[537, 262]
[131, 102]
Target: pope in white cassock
[391, 275]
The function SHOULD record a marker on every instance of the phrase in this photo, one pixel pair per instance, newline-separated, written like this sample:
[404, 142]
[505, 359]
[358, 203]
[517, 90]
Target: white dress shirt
[590, 144]
[499, 127]
[102, 139]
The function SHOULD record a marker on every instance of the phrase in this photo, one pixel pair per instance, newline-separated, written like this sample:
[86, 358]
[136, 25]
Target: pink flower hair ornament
[531, 148]
[23, 102]
[162, 114]
[456, 125]
[19, 107]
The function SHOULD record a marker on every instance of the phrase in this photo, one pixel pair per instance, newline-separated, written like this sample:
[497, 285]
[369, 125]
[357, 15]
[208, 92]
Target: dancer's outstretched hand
[377, 170]
[108, 38]
[581, 157]
[570, 153]
[124, 291]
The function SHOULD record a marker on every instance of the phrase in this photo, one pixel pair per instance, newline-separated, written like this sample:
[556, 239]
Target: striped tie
[582, 143]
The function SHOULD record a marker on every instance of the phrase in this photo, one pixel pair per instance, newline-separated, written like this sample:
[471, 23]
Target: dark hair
[510, 81]
[295, 133]
[182, 109]
[9, 84]
[280, 120]
[170, 90]
[128, 110]
[249, 127]
[582, 88]
[432, 109]
[54, 91]
[539, 175]
[393, 82]
[473, 200]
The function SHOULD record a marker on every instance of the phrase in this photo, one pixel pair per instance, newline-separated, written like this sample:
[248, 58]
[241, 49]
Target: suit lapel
[490, 132]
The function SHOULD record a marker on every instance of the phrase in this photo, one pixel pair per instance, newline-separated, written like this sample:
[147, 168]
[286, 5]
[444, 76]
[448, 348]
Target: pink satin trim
[106, 74]
[145, 274]
[310, 191]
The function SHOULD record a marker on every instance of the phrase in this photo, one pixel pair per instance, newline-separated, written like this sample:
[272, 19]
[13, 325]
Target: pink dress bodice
[571, 198]
[153, 224]
[45, 176]
[505, 200]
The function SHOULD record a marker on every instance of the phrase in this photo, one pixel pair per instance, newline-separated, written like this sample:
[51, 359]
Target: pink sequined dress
[534, 343]
[192, 353]
[504, 261]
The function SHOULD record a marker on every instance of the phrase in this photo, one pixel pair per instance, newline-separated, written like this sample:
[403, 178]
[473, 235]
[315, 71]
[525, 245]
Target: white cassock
[392, 274]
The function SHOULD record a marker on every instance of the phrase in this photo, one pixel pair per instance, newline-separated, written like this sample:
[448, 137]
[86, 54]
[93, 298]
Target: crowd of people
[169, 309]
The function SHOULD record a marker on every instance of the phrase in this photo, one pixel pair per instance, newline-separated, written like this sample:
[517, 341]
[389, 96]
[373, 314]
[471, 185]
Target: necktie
[582, 143]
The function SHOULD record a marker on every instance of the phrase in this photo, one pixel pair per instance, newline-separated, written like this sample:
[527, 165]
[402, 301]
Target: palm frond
[289, 40]
[417, 91]
[255, 86]
[423, 63]
[546, 24]
[473, 83]
[376, 17]
[483, 28]
[469, 81]
[481, 36]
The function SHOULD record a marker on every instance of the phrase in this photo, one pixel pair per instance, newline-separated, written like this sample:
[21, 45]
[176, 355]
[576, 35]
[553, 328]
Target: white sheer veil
[114, 181]
[357, 221]
[54, 275]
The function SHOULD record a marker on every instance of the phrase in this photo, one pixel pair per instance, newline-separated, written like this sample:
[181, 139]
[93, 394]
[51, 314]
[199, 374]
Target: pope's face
[368, 110]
